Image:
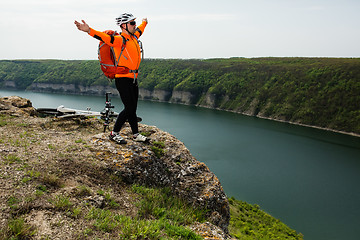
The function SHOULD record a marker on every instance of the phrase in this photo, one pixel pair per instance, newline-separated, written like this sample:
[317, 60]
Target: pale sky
[44, 29]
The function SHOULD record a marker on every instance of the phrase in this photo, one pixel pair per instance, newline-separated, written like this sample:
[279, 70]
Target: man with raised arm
[126, 83]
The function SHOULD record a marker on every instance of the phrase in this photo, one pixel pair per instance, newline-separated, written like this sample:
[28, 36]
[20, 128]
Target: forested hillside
[323, 92]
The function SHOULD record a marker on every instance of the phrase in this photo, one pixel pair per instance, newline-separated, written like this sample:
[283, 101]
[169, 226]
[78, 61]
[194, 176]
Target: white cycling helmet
[124, 18]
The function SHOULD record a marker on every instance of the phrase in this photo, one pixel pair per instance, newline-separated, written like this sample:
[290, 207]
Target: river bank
[181, 97]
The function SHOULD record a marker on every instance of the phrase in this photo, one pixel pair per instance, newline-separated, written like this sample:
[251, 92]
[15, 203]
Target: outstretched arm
[82, 26]
[140, 29]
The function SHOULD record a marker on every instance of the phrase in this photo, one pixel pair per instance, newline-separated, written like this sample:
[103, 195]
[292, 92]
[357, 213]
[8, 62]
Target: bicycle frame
[63, 112]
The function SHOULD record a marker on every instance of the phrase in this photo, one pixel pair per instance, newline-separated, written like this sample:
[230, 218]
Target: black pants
[129, 93]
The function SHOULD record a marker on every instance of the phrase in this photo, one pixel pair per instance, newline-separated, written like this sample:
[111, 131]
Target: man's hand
[82, 26]
[145, 20]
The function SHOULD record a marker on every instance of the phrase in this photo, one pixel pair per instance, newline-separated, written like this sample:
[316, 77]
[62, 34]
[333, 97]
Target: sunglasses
[132, 23]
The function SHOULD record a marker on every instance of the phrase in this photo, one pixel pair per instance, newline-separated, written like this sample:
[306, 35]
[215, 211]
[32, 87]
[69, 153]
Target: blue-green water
[307, 178]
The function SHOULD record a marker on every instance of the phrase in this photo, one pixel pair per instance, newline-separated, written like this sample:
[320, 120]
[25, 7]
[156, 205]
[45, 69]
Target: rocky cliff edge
[76, 153]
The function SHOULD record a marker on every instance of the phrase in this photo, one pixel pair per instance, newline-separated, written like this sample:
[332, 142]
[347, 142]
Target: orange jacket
[131, 56]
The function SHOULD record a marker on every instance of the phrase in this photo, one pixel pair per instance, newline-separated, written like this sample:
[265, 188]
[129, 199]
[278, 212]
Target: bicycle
[62, 112]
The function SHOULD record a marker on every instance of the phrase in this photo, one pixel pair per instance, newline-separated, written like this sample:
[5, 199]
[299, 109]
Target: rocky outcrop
[168, 163]
[16, 106]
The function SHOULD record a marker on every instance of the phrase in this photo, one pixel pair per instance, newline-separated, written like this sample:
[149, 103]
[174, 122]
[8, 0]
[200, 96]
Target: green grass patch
[162, 204]
[51, 180]
[76, 212]
[250, 222]
[159, 144]
[62, 203]
[146, 134]
[17, 229]
[26, 179]
[11, 158]
[158, 148]
[33, 174]
[51, 147]
[40, 190]
[109, 201]
[3, 122]
[13, 202]
[5, 119]
[83, 191]
[137, 228]
[104, 219]
[80, 141]
[160, 216]
[22, 125]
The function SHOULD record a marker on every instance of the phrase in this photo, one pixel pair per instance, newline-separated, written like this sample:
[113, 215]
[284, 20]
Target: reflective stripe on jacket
[131, 56]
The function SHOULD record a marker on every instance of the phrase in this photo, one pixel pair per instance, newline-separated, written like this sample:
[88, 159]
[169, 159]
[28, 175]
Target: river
[308, 178]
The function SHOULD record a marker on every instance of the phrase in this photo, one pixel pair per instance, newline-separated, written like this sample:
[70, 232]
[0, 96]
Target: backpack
[107, 58]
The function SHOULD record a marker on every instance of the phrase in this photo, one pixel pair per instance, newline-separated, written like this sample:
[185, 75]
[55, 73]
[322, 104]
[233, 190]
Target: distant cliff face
[97, 90]
[156, 95]
[207, 100]
[181, 97]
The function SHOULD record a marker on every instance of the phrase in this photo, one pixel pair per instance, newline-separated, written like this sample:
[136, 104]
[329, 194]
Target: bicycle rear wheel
[49, 111]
